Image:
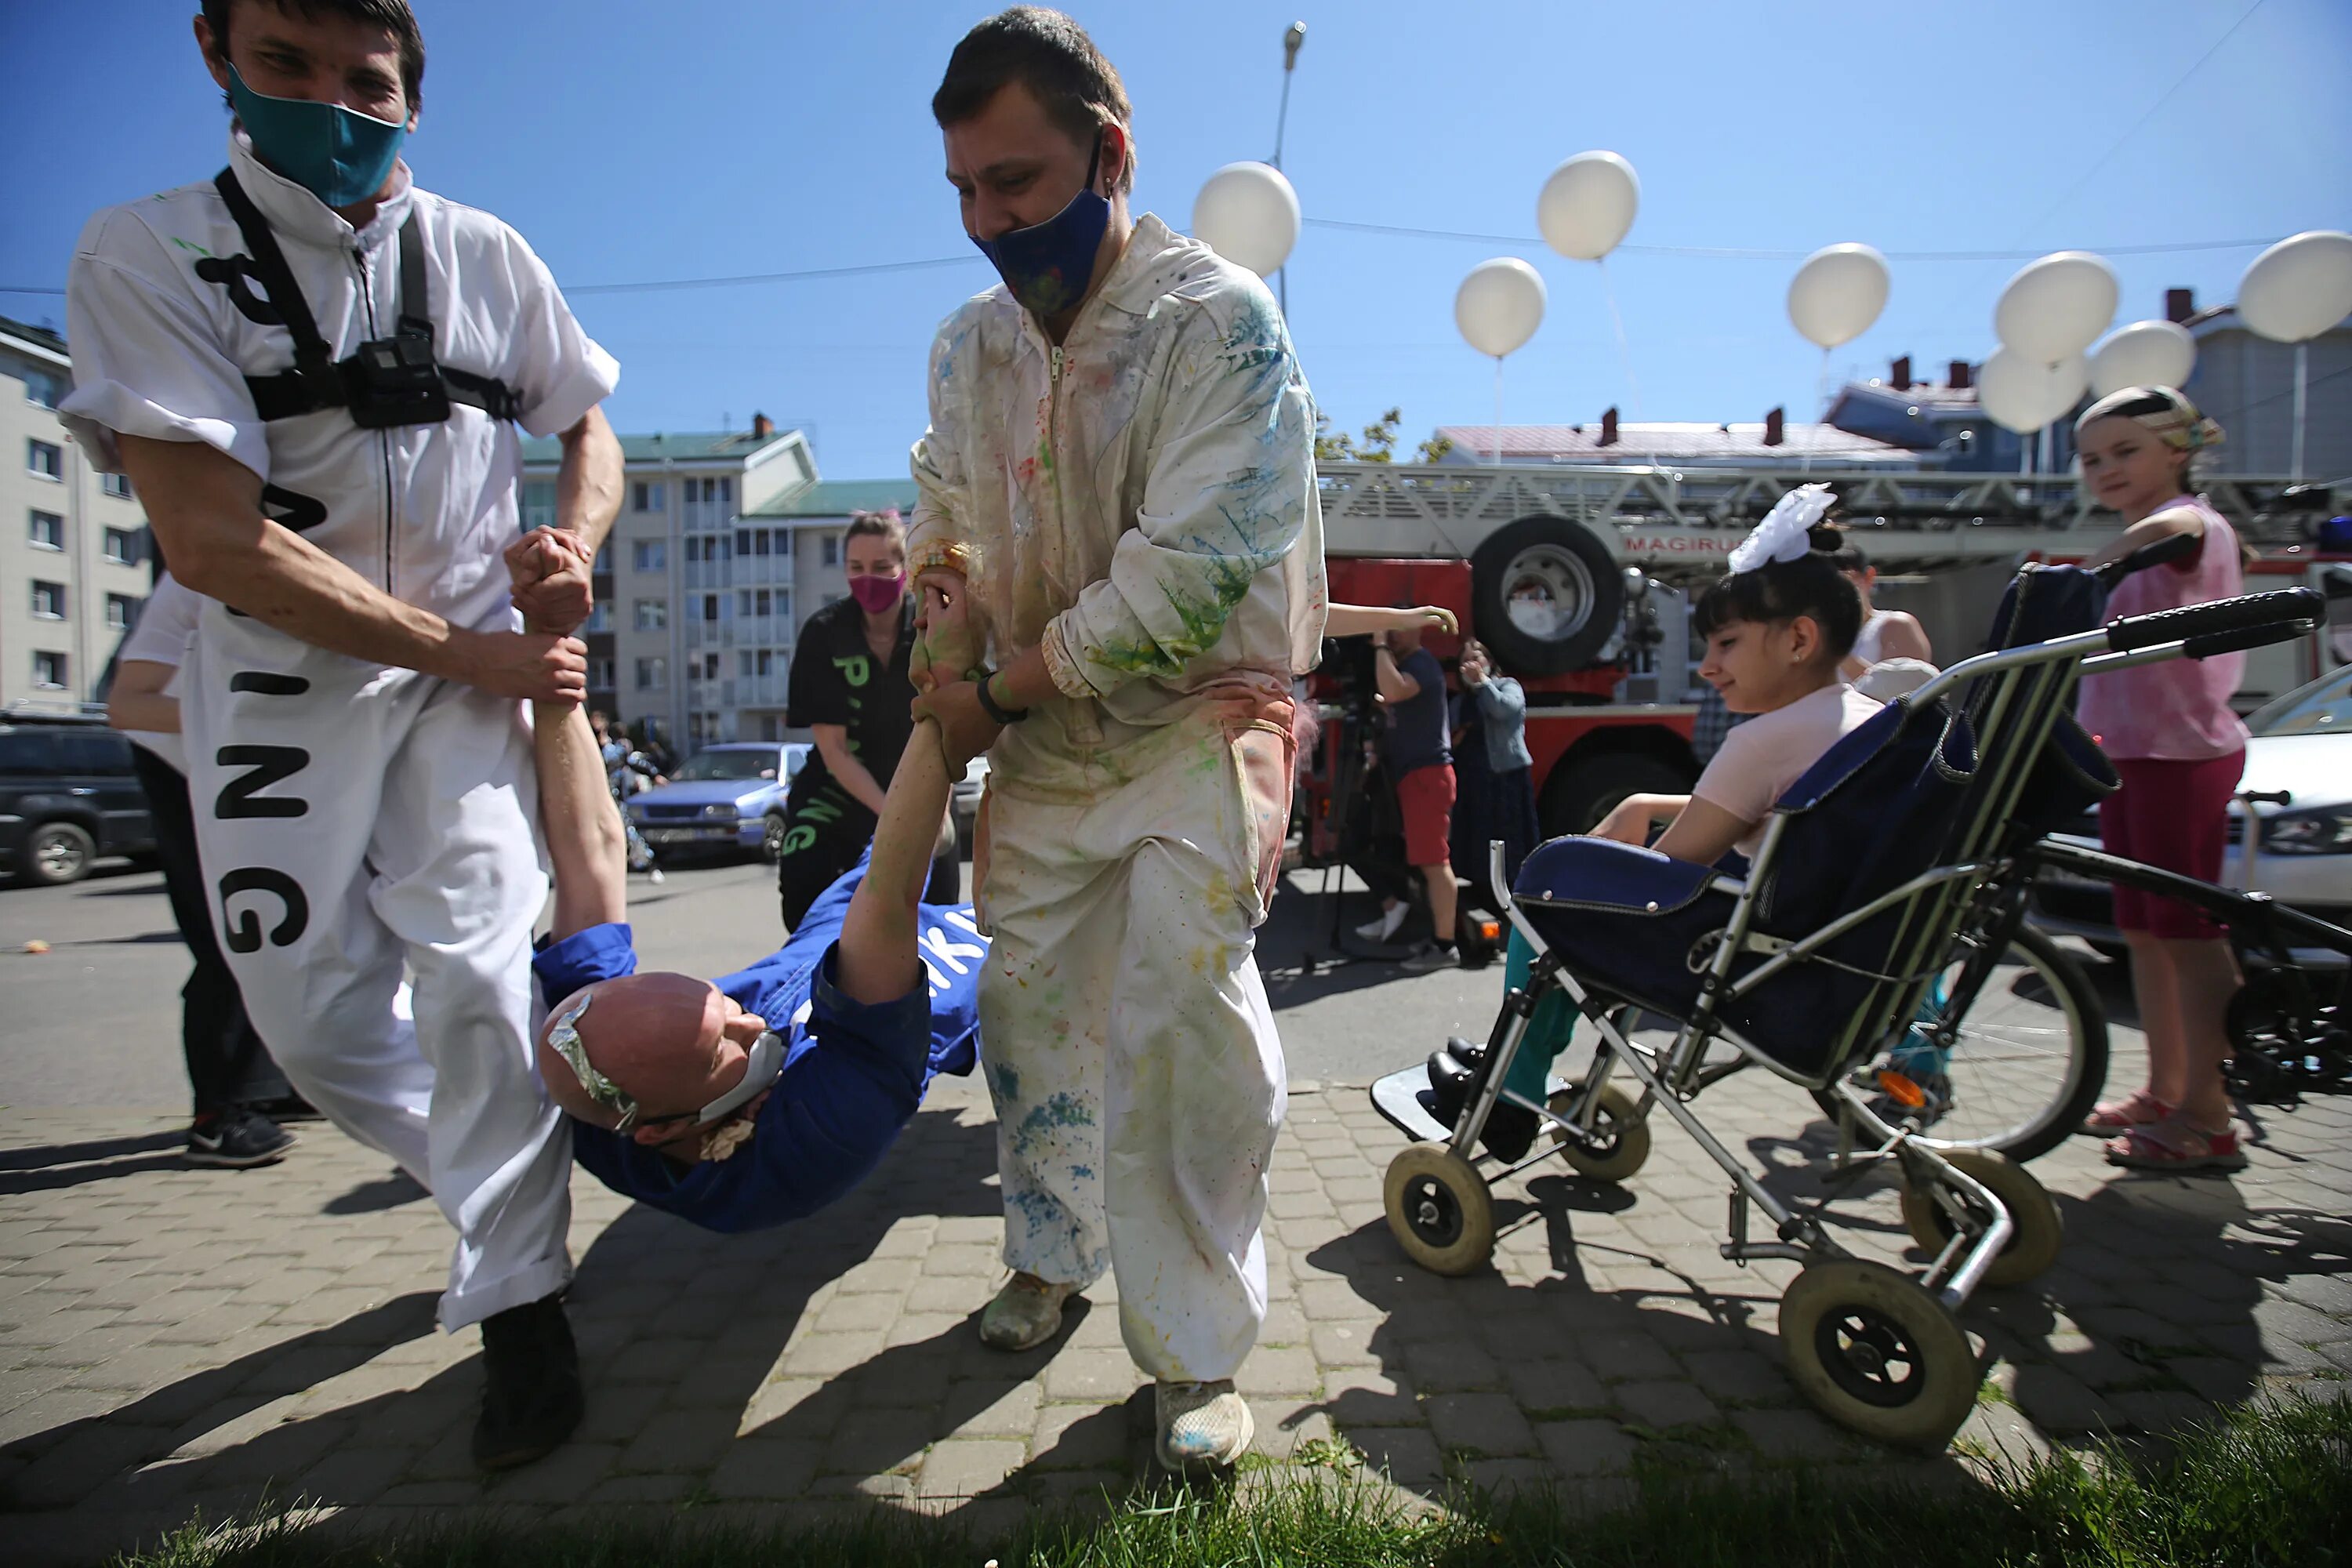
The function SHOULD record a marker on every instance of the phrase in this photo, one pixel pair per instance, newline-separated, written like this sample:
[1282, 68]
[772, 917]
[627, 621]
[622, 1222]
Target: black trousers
[826, 830]
[228, 1063]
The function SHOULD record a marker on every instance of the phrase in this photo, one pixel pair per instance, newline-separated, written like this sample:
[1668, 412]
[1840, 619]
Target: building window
[49, 672]
[600, 619]
[706, 547]
[652, 674]
[709, 666]
[710, 607]
[43, 388]
[45, 458]
[122, 546]
[537, 504]
[653, 616]
[833, 549]
[122, 611]
[767, 661]
[651, 495]
[599, 674]
[743, 662]
[48, 601]
[47, 531]
[115, 485]
[650, 555]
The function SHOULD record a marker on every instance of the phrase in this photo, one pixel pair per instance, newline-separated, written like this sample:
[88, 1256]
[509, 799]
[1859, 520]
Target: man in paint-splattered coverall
[1119, 463]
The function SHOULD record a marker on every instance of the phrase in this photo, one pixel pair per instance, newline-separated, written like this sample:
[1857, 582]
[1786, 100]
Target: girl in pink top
[2180, 750]
[1777, 630]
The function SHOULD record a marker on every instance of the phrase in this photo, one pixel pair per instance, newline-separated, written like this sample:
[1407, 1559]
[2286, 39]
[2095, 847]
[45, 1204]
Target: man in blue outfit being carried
[765, 1095]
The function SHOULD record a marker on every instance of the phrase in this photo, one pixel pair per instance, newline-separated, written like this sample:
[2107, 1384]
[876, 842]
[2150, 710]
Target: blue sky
[696, 138]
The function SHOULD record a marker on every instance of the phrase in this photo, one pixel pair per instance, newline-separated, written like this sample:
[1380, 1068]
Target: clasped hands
[545, 662]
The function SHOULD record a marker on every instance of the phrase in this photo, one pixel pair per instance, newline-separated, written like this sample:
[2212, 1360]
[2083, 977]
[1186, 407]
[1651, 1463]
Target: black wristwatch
[989, 705]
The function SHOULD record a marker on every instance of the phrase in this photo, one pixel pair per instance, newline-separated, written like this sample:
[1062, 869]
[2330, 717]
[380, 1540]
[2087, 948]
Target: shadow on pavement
[392, 1190]
[43, 1157]
[679, 1330]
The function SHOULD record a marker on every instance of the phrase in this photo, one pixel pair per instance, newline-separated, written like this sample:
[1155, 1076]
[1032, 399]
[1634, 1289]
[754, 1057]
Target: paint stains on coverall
[1146, 511]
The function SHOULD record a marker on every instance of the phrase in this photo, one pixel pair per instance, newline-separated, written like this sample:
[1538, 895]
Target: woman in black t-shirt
[850, 689]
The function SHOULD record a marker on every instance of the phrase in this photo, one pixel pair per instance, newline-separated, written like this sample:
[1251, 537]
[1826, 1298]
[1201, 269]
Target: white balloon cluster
[2047, 316]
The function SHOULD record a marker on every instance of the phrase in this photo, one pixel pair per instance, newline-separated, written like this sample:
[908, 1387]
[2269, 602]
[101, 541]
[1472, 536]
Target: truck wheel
[1583, 790]
[1545, 595]
[58, 853]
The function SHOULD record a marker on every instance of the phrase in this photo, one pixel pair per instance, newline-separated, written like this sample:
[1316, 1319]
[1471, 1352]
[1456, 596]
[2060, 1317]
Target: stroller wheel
[1439, 1209]
[1877, 1353]
[1622, 1135]
[2034, 1246]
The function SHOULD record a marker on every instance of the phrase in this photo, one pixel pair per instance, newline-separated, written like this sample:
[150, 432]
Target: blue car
[725, 796]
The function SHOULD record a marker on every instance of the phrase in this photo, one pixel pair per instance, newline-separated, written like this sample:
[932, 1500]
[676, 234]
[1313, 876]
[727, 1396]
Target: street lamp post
[1291, 39]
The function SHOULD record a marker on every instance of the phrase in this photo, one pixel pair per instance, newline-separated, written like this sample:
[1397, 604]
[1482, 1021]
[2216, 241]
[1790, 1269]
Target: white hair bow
[1783, 535]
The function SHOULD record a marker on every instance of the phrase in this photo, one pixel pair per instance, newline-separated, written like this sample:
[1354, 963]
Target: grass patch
[2268, 1487]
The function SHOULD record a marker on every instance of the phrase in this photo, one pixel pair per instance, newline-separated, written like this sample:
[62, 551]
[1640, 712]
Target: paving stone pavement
[175, 1340]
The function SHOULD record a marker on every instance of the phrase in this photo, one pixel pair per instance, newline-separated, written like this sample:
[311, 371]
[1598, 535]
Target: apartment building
[73, 543]
[695, 610]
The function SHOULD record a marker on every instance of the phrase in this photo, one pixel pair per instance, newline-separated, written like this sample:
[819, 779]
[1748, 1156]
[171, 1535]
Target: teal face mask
[337, 154]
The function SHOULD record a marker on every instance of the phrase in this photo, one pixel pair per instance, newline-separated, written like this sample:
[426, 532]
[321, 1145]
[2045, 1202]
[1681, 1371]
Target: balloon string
[1821, 415]
[1498, 411]
[1625, 358]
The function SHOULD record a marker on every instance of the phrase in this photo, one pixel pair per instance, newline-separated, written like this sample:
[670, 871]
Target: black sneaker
[237, 1139]
[530, 1395]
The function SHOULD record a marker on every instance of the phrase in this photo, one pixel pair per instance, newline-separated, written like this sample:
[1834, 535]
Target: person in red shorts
[2181, 750]
[1413, 686]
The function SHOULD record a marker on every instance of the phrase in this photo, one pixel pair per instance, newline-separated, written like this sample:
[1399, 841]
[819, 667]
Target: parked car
[727, 796]
[2303, 745]
[69, 798]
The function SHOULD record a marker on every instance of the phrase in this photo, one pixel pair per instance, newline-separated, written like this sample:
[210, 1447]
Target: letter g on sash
[241, 931]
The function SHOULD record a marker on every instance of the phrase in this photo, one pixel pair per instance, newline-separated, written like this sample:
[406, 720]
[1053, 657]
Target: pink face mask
[876, 594]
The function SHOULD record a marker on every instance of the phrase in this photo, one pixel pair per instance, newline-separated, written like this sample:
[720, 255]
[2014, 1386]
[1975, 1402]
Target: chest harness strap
[388, 381]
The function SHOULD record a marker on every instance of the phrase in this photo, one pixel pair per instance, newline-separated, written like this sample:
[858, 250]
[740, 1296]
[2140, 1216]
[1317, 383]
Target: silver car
[2301, 749]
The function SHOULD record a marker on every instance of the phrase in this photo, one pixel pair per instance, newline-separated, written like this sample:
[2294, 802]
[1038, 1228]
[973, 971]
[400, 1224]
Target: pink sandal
[2176, 1144]
[2140, 1108]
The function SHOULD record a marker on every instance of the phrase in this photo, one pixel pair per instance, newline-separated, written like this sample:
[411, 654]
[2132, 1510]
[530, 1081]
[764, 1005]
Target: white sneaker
[1384, 927]
[1202, 1426]
[1025, 1314]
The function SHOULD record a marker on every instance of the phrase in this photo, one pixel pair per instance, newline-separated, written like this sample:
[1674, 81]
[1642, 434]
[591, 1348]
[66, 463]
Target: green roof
[683, 447]
[839, 498]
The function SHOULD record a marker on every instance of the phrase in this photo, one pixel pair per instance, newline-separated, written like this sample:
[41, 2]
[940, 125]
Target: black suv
[67, 795]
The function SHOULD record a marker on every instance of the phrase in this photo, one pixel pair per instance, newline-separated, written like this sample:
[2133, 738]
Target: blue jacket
[853, 1074]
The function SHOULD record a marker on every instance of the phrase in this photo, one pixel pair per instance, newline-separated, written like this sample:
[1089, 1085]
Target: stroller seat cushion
[1604, 874]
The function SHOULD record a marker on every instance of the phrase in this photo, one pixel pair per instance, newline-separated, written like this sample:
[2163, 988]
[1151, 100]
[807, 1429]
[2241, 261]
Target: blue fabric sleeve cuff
[896, 1033]
[599, 953]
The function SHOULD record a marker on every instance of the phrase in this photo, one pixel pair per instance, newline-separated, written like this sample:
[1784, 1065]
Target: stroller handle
[2171, 547]
[2222, 617]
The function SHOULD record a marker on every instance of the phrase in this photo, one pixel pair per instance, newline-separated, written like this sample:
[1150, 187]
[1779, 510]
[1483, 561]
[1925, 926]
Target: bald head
[670, 1042]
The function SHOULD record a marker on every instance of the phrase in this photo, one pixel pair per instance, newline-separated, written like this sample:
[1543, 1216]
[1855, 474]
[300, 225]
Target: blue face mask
[337, 155]
[1048, 265]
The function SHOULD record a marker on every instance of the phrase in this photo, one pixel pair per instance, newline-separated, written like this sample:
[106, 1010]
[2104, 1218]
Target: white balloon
[2298, 287]
[1588, 205]
[1499, 305]
[1248, 214]
[2056, 307]
[2146, 353]
[1838, 293]
[2022, 395]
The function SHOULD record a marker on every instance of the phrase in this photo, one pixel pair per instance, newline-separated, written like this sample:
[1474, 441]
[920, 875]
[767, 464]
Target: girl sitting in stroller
[1778, 627]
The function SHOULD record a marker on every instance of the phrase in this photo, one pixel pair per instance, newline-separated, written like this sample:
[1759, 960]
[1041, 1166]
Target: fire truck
[1574, 576]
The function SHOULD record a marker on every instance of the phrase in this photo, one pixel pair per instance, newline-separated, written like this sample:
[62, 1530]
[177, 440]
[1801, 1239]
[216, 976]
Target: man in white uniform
[311, 371]
[1120, 463]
